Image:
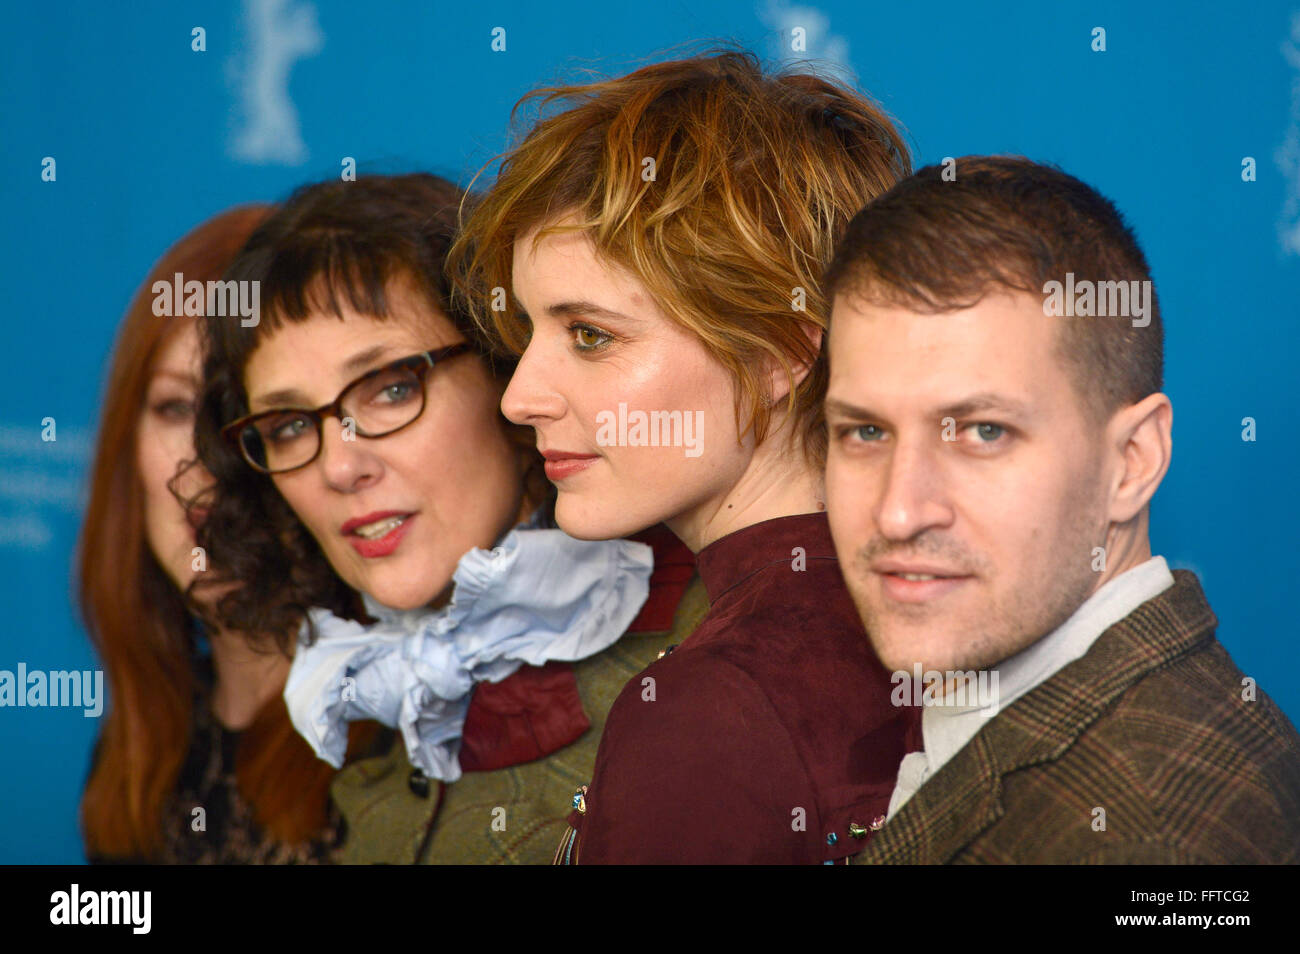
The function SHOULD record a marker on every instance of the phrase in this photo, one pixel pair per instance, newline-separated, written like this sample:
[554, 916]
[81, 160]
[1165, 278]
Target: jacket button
[419, 783]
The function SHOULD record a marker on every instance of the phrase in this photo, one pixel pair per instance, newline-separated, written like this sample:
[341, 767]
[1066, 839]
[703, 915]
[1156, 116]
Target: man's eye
[864, 432]
[988, 433]
[984, 434]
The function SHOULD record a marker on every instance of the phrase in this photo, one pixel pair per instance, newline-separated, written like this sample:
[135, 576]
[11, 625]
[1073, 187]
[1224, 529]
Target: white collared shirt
[947, 729]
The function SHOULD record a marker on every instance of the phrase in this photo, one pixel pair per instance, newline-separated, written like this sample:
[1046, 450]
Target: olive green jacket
[515, 815]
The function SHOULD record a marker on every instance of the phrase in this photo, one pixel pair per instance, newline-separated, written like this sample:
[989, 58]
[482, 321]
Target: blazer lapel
[960, 801]
[950, 809]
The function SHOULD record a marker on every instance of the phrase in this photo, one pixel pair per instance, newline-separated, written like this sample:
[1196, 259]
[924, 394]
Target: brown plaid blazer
[1151, 727]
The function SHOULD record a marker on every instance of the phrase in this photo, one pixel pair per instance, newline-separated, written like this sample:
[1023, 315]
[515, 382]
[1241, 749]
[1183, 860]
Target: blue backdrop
[150, 137]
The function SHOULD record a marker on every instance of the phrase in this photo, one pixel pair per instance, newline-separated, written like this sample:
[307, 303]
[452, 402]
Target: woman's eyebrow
[286, 398]
[362, 360]
[585, 309]
[183, 377]
[290, 397]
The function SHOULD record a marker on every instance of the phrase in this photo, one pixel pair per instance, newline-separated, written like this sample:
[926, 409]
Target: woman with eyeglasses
[197, 760]
[366, 478]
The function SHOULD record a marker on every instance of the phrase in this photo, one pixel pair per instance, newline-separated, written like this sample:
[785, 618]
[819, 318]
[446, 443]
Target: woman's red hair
[139, 622]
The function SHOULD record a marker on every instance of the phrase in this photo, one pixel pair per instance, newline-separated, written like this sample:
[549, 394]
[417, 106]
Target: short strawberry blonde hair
[755, 177]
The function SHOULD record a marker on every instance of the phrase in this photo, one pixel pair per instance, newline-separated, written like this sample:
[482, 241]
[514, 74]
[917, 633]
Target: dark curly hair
[332, 239]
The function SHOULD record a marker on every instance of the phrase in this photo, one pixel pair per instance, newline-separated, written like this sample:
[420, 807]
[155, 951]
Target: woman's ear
[780, 383]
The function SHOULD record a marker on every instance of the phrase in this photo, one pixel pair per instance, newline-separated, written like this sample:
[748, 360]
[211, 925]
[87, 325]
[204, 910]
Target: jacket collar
[729, 561]
[674, 568]
[965, 796]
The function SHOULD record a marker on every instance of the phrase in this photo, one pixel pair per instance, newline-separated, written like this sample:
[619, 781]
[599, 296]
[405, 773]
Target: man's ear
[1142, 434]
[778, 385]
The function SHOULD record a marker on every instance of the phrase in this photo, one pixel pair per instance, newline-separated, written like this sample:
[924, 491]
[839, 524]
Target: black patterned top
[207, 822]
[229, 835]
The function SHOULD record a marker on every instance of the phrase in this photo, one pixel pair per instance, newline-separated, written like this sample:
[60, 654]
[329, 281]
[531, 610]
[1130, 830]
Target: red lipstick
[371, 546]
[561, 464]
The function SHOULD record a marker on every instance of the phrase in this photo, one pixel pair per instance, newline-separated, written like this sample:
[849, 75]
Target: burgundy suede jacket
[767, 736]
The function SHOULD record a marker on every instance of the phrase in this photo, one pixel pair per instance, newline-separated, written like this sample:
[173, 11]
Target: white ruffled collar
[538, 595]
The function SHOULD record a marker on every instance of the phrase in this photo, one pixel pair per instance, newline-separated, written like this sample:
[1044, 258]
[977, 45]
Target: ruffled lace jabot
[539, 595]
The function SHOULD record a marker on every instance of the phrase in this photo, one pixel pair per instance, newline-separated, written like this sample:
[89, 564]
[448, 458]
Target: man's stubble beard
[1036, 606]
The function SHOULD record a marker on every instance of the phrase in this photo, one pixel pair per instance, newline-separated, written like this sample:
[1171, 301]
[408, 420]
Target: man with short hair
[997, 430]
